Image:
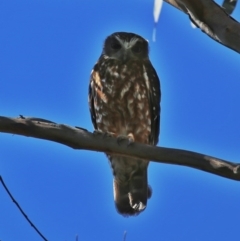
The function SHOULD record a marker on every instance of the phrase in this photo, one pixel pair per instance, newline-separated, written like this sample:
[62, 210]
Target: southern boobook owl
[124, 99]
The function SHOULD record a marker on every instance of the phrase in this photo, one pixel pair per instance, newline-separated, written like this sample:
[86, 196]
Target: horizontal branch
[211, 19]
[79, 138]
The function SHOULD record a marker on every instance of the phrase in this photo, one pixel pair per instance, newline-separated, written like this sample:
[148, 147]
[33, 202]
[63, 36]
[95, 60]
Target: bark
[212, 20]
[79, 138]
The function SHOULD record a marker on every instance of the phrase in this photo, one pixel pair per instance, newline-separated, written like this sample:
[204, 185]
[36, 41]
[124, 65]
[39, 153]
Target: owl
[124, 100]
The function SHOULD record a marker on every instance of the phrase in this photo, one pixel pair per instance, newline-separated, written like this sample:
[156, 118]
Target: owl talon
[108, 134]
[129, 137]
[97, 132]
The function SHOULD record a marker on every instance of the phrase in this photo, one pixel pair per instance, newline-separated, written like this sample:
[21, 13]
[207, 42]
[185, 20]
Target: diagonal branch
[20, 209]
[211, 19]
[79, 138]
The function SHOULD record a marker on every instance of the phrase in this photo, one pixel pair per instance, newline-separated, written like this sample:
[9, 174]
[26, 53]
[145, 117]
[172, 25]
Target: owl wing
[154, 98]
[91, 94]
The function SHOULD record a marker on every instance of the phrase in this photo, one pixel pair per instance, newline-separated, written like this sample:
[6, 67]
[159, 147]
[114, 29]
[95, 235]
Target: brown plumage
[124, 99]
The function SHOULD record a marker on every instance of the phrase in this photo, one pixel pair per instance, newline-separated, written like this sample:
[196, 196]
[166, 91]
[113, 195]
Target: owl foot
[97, 132]
[129, 137]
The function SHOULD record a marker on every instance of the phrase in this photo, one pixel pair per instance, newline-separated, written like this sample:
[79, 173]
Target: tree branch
[211, 19]
[79, 138]
[20, 209]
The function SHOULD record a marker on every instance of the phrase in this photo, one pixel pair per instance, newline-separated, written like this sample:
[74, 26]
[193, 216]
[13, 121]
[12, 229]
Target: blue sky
[47, 51]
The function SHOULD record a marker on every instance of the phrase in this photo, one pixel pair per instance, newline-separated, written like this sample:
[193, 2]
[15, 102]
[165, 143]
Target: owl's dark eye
[137, 48]
[115, 45]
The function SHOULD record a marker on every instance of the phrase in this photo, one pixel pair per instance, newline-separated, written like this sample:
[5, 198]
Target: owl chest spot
[127, 106]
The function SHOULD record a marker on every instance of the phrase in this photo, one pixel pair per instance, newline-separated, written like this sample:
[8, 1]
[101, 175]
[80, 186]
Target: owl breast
[121, 99]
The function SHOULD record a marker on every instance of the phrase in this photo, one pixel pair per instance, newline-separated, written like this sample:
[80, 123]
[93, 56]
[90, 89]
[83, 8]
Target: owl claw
[129, 137]
[97, 132]
[109, 134]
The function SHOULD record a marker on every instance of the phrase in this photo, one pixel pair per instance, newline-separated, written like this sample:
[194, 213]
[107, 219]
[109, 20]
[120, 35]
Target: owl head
[124, 46]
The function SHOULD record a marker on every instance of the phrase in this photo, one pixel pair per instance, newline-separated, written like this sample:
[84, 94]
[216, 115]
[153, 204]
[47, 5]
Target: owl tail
[131, 196]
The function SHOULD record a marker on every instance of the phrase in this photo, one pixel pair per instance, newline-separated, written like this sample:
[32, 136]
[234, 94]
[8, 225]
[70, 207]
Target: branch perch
[212, 20]
[79, 138]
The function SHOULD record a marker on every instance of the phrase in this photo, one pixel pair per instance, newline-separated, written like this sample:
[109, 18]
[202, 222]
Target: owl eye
[137, 48]
[115, 46]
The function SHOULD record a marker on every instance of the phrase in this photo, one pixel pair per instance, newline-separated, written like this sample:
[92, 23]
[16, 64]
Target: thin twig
[23, 213]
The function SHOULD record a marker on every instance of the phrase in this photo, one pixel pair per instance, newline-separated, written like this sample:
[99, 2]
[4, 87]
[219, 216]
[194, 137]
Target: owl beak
[126, 55]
